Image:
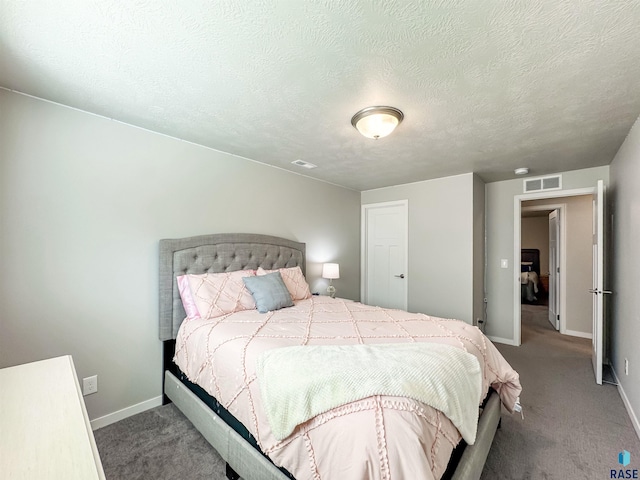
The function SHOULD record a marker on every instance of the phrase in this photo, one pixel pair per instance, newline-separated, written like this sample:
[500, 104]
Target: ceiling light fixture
[521, 171]
[303, 164]
[377, 122]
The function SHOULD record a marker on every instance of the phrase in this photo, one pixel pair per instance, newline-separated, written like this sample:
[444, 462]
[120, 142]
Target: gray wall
[83, 203]
[478, 248]
[625, 324]
[500, 229]
[579, 274]
[535, 234]
[441, 246]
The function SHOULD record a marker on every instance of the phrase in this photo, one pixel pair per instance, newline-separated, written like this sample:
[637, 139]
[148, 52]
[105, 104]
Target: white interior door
[598, 281]
[385, 232]
[554, 269]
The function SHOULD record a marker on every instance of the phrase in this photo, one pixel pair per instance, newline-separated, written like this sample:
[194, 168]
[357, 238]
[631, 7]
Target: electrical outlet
[626, 366]
[89, 385]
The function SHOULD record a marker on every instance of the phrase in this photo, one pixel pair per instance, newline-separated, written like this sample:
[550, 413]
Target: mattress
[397, 437]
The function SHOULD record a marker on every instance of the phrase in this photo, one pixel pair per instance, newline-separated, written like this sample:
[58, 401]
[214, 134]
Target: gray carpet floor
[572, 429]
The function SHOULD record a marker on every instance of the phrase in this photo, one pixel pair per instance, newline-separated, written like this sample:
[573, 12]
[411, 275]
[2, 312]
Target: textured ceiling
[485, 86]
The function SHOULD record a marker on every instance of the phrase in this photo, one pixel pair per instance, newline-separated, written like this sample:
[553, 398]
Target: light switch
[504, 263]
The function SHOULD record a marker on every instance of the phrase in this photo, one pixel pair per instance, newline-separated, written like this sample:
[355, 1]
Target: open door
[598, 291]
[554, 269]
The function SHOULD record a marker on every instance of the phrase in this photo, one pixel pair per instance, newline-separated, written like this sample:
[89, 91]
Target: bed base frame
[242, 458]
[245, 461]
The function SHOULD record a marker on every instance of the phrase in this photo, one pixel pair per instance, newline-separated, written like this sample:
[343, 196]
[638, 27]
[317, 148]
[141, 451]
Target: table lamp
[331, 271]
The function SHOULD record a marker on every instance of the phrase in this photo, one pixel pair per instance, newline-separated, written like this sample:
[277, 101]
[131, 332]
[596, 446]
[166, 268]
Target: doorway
[574, 258]
[562, 234]
[543, 244]
[594, 276]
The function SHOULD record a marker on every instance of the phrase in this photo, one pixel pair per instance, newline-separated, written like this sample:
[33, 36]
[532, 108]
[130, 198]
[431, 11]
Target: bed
[232, 418]
[530, 275]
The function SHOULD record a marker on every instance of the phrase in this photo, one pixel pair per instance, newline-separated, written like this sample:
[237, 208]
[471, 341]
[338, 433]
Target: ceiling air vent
[542, 184]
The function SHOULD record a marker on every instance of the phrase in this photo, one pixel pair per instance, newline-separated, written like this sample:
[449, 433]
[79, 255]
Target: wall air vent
[542, 184]
[303, 164]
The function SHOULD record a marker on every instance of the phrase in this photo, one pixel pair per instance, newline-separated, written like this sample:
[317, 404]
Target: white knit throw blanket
[298, 383]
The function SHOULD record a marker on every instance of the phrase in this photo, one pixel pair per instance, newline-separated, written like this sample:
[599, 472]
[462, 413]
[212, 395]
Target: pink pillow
[293, 279]
[187, 299]
[217, 294]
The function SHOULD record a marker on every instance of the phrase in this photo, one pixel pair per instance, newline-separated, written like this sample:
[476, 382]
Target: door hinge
[558, 317]
[558, 270]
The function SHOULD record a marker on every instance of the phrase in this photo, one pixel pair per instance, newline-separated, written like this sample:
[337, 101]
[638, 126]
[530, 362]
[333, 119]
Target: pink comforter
[375, 438]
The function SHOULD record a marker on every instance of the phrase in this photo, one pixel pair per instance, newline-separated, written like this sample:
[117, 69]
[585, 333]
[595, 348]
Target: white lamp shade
[330, 270]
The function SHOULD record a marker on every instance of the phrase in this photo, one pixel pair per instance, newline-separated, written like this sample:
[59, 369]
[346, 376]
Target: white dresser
[44, 428]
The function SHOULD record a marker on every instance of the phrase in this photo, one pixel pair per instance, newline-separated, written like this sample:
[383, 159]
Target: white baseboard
[125, 412]
[575, 333]
[506, 341]
[627, 405]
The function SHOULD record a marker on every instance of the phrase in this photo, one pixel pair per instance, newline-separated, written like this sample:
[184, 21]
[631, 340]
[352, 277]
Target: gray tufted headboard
[223, 252]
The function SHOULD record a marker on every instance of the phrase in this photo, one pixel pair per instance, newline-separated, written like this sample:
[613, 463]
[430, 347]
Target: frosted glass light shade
[331, 270]
[377, 122]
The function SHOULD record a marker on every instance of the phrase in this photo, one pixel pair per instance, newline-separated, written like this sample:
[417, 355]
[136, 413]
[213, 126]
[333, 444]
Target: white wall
[579, 274]
[441, 245]
[500, 229]
[625, 324]
[83, 203]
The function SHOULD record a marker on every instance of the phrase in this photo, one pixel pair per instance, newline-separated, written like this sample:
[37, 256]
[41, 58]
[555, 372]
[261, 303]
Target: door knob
[399, 276]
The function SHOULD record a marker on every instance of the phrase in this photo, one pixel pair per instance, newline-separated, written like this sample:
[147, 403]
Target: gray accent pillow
[269, 292]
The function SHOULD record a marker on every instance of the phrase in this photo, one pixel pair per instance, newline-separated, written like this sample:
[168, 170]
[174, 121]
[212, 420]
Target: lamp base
[331, 291]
